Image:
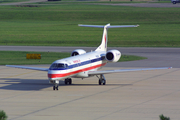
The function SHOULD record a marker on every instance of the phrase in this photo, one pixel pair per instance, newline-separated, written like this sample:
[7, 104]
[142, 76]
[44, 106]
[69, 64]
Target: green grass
[107, 1]
[126, 58]
[19, 58]
[56, 25]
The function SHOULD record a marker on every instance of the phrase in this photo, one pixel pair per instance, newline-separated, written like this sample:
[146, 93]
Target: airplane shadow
[24, 84]
[100, 85]
[34, 85]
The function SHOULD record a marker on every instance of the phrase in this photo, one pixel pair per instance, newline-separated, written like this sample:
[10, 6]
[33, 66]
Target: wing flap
[25, 67]
[124, 70]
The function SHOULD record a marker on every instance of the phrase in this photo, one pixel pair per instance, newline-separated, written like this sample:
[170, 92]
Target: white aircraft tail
[103, 45]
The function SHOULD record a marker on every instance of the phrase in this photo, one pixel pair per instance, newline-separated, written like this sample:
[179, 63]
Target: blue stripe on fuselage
[80, 64]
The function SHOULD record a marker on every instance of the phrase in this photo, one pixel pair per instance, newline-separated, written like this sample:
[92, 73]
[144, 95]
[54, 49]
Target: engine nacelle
[113, 55]
[78, 52]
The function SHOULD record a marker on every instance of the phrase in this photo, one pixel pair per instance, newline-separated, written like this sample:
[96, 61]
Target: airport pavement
[23, 2]
[149, 4]
[27, 95]
[143, 95]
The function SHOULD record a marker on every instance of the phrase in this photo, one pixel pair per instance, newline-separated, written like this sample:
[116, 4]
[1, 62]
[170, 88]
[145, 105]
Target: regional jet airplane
[84, 65]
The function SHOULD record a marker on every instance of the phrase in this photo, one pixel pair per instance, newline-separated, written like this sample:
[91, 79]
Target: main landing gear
[68, 81]
[102, 80]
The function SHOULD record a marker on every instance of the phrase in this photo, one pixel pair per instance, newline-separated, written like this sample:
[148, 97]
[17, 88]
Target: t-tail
[103, 45]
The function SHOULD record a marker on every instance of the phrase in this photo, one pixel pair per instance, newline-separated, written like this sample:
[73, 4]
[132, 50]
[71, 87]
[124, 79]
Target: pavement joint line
[138, 104]
[146, 100]
[84, 97]
[63, 103]
[168, 72]
[16, 96]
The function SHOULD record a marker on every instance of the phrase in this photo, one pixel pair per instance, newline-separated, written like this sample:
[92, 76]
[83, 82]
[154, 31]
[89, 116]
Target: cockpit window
[58, 66]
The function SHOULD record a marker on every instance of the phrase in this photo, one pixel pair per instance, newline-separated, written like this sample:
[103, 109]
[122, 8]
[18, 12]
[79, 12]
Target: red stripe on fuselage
[74, 72]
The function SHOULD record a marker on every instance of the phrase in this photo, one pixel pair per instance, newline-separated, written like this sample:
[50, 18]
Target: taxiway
[143, 95]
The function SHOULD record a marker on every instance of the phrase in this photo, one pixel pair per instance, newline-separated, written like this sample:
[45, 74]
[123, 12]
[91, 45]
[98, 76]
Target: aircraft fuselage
[77, 66]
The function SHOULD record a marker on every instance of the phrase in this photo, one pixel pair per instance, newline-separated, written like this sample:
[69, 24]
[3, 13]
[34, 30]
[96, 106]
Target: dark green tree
[162, 117]
[3, 115]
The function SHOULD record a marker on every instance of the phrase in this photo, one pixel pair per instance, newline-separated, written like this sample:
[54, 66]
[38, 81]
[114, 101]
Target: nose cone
[56, 75]
[51, 75]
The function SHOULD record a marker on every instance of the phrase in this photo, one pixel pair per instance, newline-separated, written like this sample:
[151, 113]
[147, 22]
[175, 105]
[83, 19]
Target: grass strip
[56, 25]
[19, 57]
[126, 58]
[11, 1]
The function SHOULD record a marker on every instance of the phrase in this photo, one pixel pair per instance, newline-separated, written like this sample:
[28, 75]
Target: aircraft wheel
[104, 82]
[70, 81]
[99, 82]
[57, 88]
[66, 81]
[54, 88]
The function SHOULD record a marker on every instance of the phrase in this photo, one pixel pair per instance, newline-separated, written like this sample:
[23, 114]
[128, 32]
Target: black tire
[66, 81]
[57, 88]
[174, 2]
[104, 82]
[70, 81]
[99, 82]
[54, 88]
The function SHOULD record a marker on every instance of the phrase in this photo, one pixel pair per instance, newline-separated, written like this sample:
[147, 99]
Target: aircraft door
[90, 62]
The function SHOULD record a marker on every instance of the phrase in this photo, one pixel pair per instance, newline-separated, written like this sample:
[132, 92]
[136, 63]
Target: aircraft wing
[31, 68]
[124, 70]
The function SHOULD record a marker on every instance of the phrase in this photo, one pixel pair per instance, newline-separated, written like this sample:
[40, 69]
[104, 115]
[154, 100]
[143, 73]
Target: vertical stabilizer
[103, 45]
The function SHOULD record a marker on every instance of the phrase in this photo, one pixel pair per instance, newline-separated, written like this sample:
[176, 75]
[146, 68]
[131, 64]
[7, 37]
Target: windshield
[58, 66]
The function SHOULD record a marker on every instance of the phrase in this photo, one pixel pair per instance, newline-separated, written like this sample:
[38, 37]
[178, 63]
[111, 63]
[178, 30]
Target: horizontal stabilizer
[103, 45]
[110, 26]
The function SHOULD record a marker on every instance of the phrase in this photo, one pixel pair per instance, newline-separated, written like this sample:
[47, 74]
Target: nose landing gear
[56, 84]
[55, 87]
